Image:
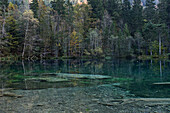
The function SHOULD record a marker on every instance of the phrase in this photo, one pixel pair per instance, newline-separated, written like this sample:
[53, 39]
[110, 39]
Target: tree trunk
[160, 65]
[138, 47]
[151, 52]
[3, 25]
[69, 42]
[169, 37]
[159, 43]
[26, 33]
[129, 46]
[55, 46]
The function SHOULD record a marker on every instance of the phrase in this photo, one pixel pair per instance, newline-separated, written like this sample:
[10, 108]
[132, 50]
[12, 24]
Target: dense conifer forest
[101, 28]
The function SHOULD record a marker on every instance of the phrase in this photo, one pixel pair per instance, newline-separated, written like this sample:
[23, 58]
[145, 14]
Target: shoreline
[143, 57]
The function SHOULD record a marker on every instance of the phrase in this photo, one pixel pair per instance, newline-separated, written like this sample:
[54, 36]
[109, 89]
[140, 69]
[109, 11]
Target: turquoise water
[138, 77]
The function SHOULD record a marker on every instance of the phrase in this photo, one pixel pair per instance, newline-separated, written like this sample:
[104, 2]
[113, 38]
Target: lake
[137, 77]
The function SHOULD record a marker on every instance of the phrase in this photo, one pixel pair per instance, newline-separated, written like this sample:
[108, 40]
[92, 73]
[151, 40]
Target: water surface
[135, 76]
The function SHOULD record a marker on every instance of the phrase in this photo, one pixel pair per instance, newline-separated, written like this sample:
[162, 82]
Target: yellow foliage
[74, 43]
[11, 6]
[29, 16]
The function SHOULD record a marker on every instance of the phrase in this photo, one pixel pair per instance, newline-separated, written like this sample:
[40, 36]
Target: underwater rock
[48, 79]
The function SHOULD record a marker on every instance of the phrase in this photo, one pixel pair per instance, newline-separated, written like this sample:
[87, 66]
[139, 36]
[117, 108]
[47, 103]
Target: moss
[10, 58]
[13, 81]
[18, 78]
[66, 57]
[118, 79]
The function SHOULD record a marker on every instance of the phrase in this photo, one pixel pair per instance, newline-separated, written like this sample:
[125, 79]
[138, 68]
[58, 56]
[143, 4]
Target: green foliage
[11, 44]
[58, 6]
[126, 12]
[150, 11]
[119, 80]
[126, 31]
[136, 23]
[3, 4]
[99, 28]
[113, 8]
[34, 7]
[97, 8]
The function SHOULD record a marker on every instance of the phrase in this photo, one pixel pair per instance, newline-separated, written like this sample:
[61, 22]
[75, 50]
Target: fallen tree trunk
[143, 99]
[140, 101]
[162, 83]
[6, 89]
[8, 94]
[79, 76]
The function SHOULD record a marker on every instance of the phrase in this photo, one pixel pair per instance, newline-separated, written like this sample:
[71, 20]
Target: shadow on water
[136, 76]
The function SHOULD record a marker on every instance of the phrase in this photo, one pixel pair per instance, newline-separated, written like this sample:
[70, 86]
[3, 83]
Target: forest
[99, 29]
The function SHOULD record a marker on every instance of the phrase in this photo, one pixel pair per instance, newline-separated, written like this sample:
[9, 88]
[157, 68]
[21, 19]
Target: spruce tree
[58, 5]
[34, 7]
[126, 12]
[162, 13]
[168, 22]
[97, 8]
[136, 17]
[4, 3]
[168, 17]
[150, 11]
[113, 9]
[11, 29]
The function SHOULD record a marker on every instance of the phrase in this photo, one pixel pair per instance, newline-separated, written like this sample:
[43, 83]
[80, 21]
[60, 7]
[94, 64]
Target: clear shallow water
[135, 76]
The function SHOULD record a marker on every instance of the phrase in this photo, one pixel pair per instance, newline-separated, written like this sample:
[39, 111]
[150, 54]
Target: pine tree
[150, 11]
[168, 11]
[162, 21]
[107, 31]
[97, 8]
[30, 26]
[126, 31]
[126, 12]
[34, 7]
[136, 17]
[162, 13]
[45, 28]
[3, 7]
[149, 33]
[11, 30]
[168, 22]
[58, 5]
[3, 3]
[113, 8]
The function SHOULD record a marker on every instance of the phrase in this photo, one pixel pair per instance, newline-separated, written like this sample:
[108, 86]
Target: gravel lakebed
[92, 99]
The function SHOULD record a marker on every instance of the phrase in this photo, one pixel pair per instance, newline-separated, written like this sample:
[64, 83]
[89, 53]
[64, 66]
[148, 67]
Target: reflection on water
[136, 76]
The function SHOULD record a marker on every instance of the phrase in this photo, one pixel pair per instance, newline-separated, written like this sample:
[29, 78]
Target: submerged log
[162, 83]
[143, 101]
[48, 79]
[6, 89]
[79, 76]
[8, 94]
[70, 75]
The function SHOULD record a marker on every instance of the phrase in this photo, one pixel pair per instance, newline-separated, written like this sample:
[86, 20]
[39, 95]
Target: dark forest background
[101, 28]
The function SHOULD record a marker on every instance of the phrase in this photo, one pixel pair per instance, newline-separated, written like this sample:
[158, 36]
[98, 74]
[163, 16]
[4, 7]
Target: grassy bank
[148, 57]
